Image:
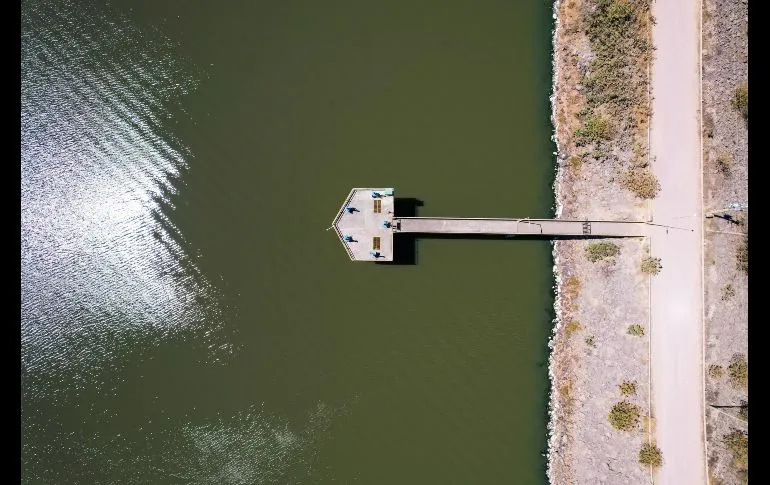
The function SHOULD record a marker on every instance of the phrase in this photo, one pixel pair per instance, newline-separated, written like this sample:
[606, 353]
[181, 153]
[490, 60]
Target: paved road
[677, 379]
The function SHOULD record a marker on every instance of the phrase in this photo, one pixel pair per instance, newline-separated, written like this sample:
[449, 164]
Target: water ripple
[250, 446]
[102, 260]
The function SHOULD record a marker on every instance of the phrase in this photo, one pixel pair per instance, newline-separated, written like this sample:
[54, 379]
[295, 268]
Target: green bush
[651, 265]
[740, 101]
[738, 370]
[590, 341]
[601, 250]
[650, 455]
[738, 444]
[624, 416]
[636, 330]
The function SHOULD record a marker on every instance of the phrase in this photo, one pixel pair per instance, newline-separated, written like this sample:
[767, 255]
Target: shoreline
[554, 431]
[592, 300]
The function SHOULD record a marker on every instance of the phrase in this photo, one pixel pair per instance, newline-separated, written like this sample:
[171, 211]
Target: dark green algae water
[186, 318]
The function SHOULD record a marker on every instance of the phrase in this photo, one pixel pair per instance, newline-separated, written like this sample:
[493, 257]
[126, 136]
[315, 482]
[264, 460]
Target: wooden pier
[515, 227]
[366, 224]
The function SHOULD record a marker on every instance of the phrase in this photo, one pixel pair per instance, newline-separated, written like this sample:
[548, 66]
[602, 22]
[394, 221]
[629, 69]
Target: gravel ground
[592, 353]
[725, 67]
[612, 295]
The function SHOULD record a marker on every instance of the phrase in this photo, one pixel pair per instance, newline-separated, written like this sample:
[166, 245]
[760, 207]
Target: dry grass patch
[617, 30]
[571, 290]
[572, 287]
[565, 392]
[575, 163]
[572, 327]
[640, 156]
[611, 112]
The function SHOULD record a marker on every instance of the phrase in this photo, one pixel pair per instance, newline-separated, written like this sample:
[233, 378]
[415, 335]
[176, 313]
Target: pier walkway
[513, 227]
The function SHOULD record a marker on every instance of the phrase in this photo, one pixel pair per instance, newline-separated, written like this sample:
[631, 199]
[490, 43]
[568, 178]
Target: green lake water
[187, 318]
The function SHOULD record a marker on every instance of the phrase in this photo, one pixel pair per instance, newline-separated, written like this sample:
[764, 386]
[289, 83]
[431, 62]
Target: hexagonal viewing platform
[364, 224]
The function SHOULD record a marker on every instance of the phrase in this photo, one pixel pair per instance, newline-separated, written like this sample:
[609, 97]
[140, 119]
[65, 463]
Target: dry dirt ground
[592, 351]
[593, 355]
[725, 146]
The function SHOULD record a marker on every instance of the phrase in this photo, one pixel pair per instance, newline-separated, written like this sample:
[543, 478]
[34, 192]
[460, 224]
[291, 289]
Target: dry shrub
[650, 455]
[728, 291]
[651, 266]
[642, 182]
[595, 129]
[738, 370]
[624, 416]
[601, 250]
[628, 388]
[716, 371]
[725, 164]
[740, 100]
[738, 443]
